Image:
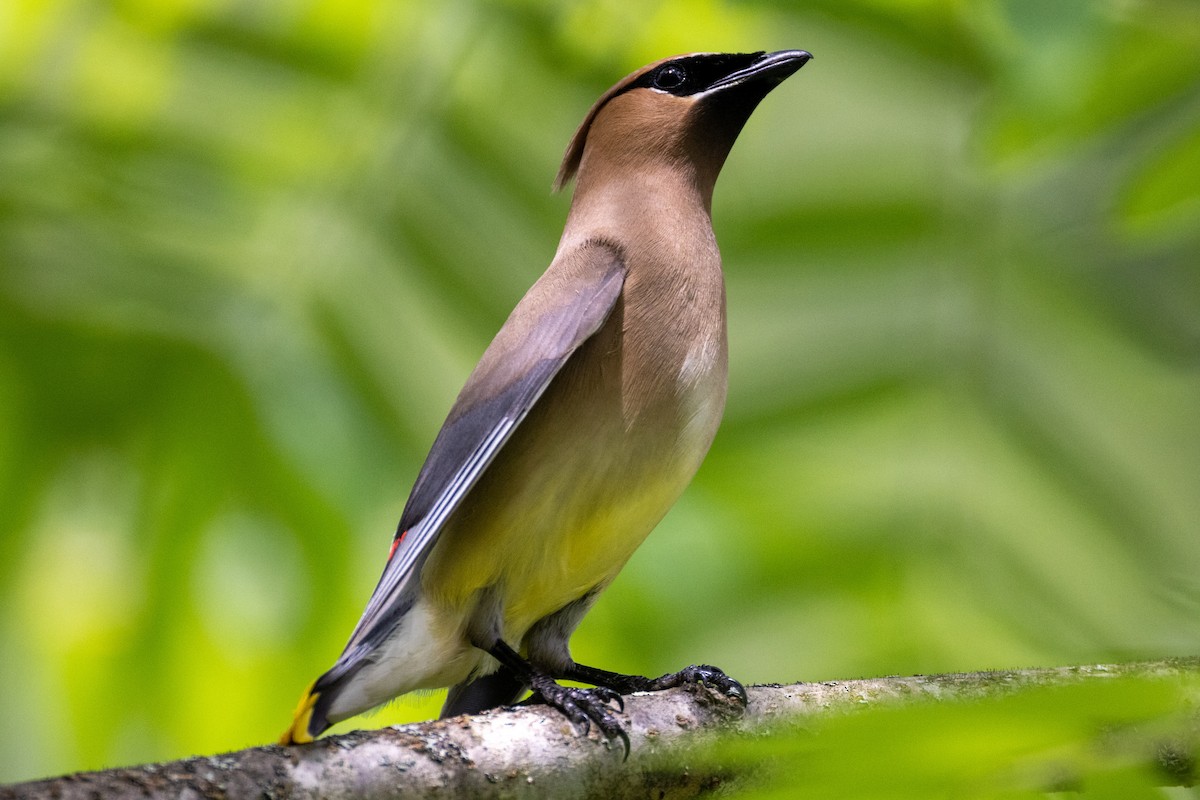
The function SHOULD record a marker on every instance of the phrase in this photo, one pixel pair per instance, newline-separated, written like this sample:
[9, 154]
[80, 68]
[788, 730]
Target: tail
[384, 612]
[304, 727]
[313, 714]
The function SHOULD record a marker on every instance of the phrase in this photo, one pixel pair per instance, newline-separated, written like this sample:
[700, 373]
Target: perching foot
[584, 707]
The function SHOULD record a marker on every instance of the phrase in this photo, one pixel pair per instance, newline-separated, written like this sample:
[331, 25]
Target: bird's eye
[670, 77]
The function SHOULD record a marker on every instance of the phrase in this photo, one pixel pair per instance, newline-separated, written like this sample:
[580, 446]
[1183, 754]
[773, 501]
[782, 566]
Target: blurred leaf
[1166, 195]
[1108, 738]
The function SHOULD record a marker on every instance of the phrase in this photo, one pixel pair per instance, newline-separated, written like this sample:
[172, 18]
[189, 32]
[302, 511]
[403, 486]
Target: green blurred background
[249, 252]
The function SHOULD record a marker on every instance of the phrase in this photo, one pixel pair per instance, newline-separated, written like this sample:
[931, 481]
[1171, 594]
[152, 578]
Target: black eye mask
[691, 74]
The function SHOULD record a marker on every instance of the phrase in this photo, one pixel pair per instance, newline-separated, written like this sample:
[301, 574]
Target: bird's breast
[602, 456]
[701, 386]
[674, 355]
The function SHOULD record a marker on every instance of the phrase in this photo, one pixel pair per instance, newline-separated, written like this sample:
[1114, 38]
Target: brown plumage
[584, 420]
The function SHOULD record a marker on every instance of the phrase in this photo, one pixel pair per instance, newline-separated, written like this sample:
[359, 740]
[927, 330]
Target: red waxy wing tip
[396, 543]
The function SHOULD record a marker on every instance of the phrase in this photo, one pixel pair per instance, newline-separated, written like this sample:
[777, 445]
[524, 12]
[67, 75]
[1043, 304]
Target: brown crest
[571, 158]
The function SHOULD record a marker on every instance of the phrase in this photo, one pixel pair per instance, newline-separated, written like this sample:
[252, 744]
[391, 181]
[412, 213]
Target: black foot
[705, 675]
[702, 674]
[584, 707]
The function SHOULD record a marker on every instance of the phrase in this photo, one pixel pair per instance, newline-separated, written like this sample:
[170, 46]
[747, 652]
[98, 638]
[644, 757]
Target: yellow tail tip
[297, 732]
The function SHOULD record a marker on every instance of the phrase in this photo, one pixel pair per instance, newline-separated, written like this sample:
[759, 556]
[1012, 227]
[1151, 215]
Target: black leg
[697, 673]
[584, 707]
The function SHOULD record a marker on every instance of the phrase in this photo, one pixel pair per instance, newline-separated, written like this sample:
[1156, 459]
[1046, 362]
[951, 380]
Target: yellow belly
[575, 491]
[545, 530]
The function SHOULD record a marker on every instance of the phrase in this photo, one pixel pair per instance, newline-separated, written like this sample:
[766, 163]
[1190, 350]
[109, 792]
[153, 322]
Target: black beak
[772, 68]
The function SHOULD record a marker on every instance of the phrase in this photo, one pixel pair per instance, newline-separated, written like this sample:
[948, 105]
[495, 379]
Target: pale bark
[534, 752]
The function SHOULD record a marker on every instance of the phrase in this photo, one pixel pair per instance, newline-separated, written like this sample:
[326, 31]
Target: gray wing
[560, 312]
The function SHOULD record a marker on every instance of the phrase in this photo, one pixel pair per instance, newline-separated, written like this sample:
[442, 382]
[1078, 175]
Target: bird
[581, 425]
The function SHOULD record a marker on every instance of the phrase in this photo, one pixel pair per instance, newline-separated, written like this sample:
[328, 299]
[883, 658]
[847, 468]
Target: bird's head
[679, 113]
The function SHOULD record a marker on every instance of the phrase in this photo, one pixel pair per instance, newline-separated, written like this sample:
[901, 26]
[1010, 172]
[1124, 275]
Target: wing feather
[558, 314]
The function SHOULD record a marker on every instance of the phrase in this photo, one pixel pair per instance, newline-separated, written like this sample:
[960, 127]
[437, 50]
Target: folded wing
[561, 311]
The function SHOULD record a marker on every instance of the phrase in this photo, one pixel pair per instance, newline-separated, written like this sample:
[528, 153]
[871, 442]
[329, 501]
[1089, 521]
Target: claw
[706, 675]
[585, 708]
[619, 733]
[608, 695]
[737, 691]
[723, 683]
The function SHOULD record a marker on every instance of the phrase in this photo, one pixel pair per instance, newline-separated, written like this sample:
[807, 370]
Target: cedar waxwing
[581, 425]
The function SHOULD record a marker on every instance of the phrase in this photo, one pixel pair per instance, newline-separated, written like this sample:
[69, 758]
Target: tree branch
[534, 752]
